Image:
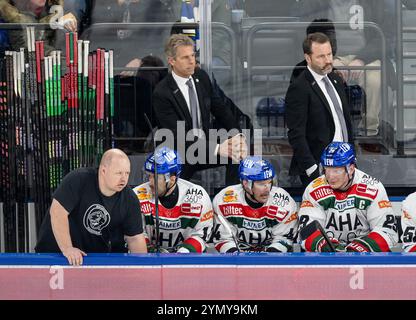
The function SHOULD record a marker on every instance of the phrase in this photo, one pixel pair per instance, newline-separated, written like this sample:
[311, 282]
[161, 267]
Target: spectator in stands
[81, 10]
[34, 11]
[132, 43]
[317, 109]
[93, 211]
[254, 215]
[186, 94]
[359, 45]
[153, 76]
[185, 209]
[4, 39]
[269, 8]
[352, 208]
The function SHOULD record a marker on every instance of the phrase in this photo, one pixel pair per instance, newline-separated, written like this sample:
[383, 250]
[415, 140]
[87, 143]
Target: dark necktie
[337, 107]
[193, 102]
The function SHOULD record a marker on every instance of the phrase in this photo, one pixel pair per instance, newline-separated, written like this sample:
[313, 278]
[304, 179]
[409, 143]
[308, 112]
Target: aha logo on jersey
[191, 208]
[142, 194]
[280, 199]
[229, 196]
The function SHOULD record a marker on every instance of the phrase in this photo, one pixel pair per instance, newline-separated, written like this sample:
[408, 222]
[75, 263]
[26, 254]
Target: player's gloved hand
[151, 248]
[355, 246]
[182, 250]
[272, 249]
[232, 250]
[339, 247]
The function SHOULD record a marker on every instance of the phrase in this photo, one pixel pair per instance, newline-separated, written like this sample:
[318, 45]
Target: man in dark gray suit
[186, 94]
[317, 110]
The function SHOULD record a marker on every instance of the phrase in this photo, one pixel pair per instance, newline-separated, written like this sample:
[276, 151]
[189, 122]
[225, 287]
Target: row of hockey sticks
[51, 122]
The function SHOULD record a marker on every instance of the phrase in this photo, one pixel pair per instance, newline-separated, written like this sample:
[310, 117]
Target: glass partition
[250, 50]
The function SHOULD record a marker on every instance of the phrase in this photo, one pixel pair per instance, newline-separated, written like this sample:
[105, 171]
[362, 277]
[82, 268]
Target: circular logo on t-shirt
[96, 218]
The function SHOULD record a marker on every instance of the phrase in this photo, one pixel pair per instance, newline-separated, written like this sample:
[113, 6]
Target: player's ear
[245, 183]
[307, 58]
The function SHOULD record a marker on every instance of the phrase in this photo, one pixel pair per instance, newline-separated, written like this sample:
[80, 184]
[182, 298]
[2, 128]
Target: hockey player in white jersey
[350, 205]
[185, 209]
[254, 215]
[408, 221]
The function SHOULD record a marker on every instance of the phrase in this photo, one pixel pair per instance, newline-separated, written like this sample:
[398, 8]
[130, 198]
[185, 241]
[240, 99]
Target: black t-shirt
[97, 223]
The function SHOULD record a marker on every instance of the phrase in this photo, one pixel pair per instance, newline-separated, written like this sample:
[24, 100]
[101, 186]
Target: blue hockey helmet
[255, 168]
[338, 154]
[168, 162]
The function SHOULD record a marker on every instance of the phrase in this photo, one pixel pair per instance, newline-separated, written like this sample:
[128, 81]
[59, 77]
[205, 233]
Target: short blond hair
[175, 41]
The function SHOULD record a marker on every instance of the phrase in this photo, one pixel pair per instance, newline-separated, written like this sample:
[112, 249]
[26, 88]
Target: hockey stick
[156, 180]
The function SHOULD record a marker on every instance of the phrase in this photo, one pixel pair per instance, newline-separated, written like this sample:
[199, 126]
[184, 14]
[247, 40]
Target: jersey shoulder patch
[318, 182]
[229, 196]
[142, 193]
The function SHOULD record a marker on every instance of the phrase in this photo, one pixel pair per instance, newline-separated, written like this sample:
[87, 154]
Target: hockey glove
[356, 246]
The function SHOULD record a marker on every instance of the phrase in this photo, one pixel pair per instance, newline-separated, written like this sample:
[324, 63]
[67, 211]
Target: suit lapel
[181, 104]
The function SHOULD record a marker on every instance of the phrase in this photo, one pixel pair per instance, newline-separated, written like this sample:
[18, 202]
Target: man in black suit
[185, 97]
[317, 110]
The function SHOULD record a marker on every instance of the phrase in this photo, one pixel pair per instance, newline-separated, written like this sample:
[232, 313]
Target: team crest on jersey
[318, 182]
[384, 204]
[96, 218]
[191, 208]
[229, 196]
[142, 194]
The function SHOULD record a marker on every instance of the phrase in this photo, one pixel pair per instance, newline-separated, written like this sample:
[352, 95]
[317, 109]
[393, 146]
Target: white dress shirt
[181, 82]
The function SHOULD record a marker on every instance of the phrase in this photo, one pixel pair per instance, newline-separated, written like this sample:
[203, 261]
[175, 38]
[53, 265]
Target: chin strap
[167, 176]
[250, 185]
[349, 182]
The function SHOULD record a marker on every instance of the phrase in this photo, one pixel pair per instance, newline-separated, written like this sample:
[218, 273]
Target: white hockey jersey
[183, 228]
[408, 221]
[273, 225]
[362, 215]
